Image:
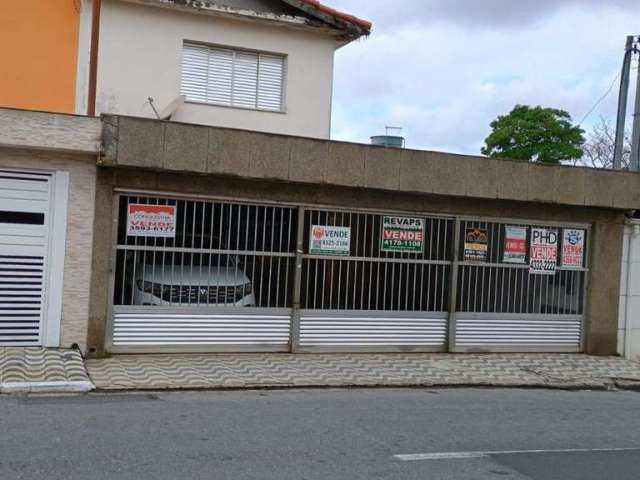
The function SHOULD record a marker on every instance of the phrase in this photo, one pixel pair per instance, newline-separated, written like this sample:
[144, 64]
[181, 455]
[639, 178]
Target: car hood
[186, 275]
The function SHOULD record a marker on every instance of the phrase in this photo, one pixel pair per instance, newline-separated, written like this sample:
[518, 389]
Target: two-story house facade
[262, 65]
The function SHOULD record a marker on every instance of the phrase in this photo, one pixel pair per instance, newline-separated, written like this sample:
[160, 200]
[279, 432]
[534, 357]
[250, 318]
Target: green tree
[535, 134]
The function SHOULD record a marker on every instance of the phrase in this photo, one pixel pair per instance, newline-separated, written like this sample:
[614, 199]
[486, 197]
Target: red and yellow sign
[151, 220]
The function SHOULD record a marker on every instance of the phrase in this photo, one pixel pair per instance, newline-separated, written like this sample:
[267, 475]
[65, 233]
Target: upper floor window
[235, 78]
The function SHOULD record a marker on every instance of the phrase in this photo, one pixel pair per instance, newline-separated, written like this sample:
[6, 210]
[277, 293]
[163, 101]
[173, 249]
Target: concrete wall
[140, 143]
[79, 238]
[629, 298]
[49, 131]
[140, 57]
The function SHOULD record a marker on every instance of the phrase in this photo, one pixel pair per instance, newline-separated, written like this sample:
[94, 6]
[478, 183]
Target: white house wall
[140, 57]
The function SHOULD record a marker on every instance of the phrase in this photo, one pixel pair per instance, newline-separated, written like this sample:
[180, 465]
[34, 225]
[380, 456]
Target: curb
[47, 387]
[354, 386]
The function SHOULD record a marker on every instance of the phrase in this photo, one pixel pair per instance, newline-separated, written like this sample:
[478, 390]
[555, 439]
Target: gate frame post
[453, 288]
[297, 284]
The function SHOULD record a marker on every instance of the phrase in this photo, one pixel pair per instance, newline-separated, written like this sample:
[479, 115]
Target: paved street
[323, 434]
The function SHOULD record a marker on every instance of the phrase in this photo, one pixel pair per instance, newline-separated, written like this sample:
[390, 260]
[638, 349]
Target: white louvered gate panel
[346, 331]
[495, 332]
[215, 329]
[24, 205]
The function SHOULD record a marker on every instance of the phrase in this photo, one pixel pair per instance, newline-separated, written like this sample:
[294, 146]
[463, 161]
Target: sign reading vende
[543, 253]
[327, 240]
[151, 220]
[402, 234]
[515, 244]
[572, 248]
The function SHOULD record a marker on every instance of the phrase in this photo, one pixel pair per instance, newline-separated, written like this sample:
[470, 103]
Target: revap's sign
[402, 234]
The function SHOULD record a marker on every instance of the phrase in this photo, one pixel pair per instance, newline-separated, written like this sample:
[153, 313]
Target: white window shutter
[220, 76]
[270, 82]
[194, 72]
[245, 80]
[223, 76]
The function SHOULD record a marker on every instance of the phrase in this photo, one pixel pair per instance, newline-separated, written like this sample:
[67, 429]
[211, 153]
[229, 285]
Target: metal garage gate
[218, 275]
[24, 242]
[374, 295]
[507, 302]
[201, 275]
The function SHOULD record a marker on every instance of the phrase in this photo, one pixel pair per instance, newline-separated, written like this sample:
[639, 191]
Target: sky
[444, 69]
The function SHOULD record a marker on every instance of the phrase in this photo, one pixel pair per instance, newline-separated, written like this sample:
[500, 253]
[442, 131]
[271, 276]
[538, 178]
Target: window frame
[235, 51]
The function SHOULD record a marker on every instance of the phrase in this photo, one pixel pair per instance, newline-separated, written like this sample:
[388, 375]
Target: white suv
[195, 285]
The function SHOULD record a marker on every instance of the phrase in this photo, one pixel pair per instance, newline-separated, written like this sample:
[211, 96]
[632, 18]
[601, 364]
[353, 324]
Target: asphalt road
[323, 434]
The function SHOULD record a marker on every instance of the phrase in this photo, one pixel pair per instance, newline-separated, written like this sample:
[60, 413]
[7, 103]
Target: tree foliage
[535, 134]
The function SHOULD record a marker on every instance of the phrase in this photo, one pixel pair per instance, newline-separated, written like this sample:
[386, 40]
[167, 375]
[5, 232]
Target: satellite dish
[171, 108]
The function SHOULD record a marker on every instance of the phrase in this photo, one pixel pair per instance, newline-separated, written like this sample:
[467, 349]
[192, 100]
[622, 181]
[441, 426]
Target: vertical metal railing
[368, 278]
[221, 254]
[494, 286]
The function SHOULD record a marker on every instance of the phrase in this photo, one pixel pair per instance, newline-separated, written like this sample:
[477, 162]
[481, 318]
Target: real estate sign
[572, 248]
[475, 244]
[515, 244]
[402, 234]
[329, 240]
[151, 220]
[543, 252]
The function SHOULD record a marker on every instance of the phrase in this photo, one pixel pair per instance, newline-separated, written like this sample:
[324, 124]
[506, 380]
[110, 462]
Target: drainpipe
[93, 56]
[627, 317]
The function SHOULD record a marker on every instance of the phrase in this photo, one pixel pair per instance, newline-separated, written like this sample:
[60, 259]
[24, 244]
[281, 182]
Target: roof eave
[350, 26]
[199, 6]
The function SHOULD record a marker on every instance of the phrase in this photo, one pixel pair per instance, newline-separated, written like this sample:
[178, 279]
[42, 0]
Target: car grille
[203, 294]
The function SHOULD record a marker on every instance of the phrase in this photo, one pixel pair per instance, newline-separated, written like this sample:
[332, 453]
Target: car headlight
[247, 288]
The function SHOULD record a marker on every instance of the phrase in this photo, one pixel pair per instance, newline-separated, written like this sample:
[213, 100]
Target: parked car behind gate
[219, 282]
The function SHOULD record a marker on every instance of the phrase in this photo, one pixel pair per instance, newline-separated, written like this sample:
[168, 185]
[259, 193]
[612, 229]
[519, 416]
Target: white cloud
[444, 72]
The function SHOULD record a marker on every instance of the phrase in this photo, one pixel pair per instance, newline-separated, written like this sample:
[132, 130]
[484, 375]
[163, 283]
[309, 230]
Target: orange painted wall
[38, 53]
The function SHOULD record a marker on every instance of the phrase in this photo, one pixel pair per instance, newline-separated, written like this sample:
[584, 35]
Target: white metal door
[25, 201]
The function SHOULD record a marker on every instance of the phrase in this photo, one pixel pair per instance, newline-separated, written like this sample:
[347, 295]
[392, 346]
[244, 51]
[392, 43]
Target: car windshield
[189, 259]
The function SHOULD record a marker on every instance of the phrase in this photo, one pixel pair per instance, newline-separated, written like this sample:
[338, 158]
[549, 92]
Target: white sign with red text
[329, 240]
[151, 220]
[572, 248]
[543, 251]
[515, 244]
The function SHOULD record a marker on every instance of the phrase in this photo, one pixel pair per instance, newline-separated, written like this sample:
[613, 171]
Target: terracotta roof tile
[364, 24]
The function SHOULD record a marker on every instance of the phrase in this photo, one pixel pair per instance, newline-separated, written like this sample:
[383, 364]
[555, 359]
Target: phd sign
[543, 252]
[328, 240]
[402, 234]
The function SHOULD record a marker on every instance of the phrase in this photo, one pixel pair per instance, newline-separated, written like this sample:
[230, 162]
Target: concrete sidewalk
[42, 370]
[191, 371]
